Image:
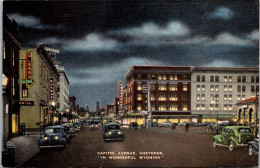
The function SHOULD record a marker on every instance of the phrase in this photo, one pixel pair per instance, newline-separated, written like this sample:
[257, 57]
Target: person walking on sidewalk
[187, 127]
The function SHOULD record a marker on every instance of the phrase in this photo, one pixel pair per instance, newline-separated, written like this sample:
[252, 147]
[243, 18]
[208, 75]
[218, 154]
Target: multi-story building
[215, 91]
[38, 88]
[10, 76]
[169, 89]
[108, 109]
[63, 93]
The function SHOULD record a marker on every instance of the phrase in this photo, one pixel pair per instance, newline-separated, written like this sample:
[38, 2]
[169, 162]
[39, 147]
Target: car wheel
[251, 152]
[231, 146]
[214, 143]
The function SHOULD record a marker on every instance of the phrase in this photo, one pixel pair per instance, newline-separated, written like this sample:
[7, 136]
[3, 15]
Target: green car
[112, 132]
[233, 136]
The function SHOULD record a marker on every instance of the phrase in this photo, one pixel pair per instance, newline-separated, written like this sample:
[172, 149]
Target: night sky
[100, 41]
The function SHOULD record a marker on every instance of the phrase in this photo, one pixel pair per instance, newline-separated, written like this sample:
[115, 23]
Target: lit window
[230, 107]
[171, 77]
[198, 97]
[229, 97]
[152, 97]
[216, 88]
[184, 107]
[152, 87]
[198, 87]
[243, 97]
[153, 108]
[173, 87]
[160, 77]
[225, 88]
[225, 97]
[139, 87]
[203, 97]
[175, 77]
[198, 107]
[162, 87]
[211, 107]
[225, 78]
[185, 87]
[4, 52]
[173, 97]
[211, 97]
[162, 97]
[230, 79]
[203, 87]
[238, 97]
[139, 107]
[13, 56]
[216, 107]
[225, 107]
[164, 77]
[211, 88]
[162, 107]
[173, 107]
[230, 88]
[24, 91]
[13, 87]
[203, 107]
[139, 97]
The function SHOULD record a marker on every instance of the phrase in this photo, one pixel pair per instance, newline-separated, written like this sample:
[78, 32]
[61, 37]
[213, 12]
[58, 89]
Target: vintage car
[133, 125]
[182, 123]
[53, 136]
[111, 132]
[233, 136]
[253, 147]
[69, 129]
[166, 124]
[93, 125]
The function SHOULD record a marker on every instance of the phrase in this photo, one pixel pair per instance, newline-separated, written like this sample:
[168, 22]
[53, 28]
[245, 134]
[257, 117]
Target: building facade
[63, 93]
[169, 89]
[215, 91]
[10, 76]
[38, 88]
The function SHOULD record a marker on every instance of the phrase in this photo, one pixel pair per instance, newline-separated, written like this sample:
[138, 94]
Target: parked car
[193, 124]
[69, 130]
[53, 136]
[253, 147]
[206, 123]
[133, 125]
[111, 132]
[182, 123]
[124, 126]
[233, 136]
[166, 124]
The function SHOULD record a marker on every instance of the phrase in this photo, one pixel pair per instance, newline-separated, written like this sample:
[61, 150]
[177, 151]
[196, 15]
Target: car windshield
[113, 127]
[244, 130]
[53, 130]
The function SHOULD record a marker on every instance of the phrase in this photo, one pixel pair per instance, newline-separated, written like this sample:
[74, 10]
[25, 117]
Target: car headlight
[92, 125]
[109, 132]
[45, 138]
[56, 137]
[119, 132]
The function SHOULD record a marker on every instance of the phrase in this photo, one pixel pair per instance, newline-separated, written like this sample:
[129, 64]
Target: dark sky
[100, 41]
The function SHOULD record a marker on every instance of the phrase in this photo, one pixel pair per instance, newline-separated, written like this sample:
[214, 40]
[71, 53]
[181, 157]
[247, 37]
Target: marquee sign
[51, 90]
[28, 71]
[26, 103]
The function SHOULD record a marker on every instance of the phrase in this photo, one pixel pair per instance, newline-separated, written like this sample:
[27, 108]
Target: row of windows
[226, 107]
[216, 97]
[172, 107]
[163, 87]
[162, 77]
[227, 88]
[163, 97]
[228, 79]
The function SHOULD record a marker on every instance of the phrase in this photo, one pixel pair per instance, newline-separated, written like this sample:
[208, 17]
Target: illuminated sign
[28, 71]
[52, 50]
[51, 90]
[26, 103]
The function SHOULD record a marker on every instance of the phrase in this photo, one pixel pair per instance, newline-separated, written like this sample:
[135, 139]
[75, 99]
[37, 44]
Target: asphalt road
[158, 147]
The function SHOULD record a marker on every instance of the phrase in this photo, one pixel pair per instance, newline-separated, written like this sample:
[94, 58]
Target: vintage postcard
[130, 83]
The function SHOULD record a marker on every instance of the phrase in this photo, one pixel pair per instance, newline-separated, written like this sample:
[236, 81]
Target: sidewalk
[25, 147]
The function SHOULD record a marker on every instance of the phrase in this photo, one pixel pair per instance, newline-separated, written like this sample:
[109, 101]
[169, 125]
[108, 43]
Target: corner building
[39, 86]
[170, 93]
[215, 91]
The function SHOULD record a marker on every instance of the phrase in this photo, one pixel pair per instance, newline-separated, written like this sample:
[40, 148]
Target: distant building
[108, 109]
[10, 77]
[63, 93]
[73, 108]
[116, 105]
[215, 91]
[39, 87]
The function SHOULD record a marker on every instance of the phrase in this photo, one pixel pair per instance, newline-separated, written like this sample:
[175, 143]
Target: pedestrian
[187, 127]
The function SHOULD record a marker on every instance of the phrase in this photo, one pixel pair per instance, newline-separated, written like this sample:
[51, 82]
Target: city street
[158, 147]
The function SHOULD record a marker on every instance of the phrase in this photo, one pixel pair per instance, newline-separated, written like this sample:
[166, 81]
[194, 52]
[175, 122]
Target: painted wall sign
[51, 90]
